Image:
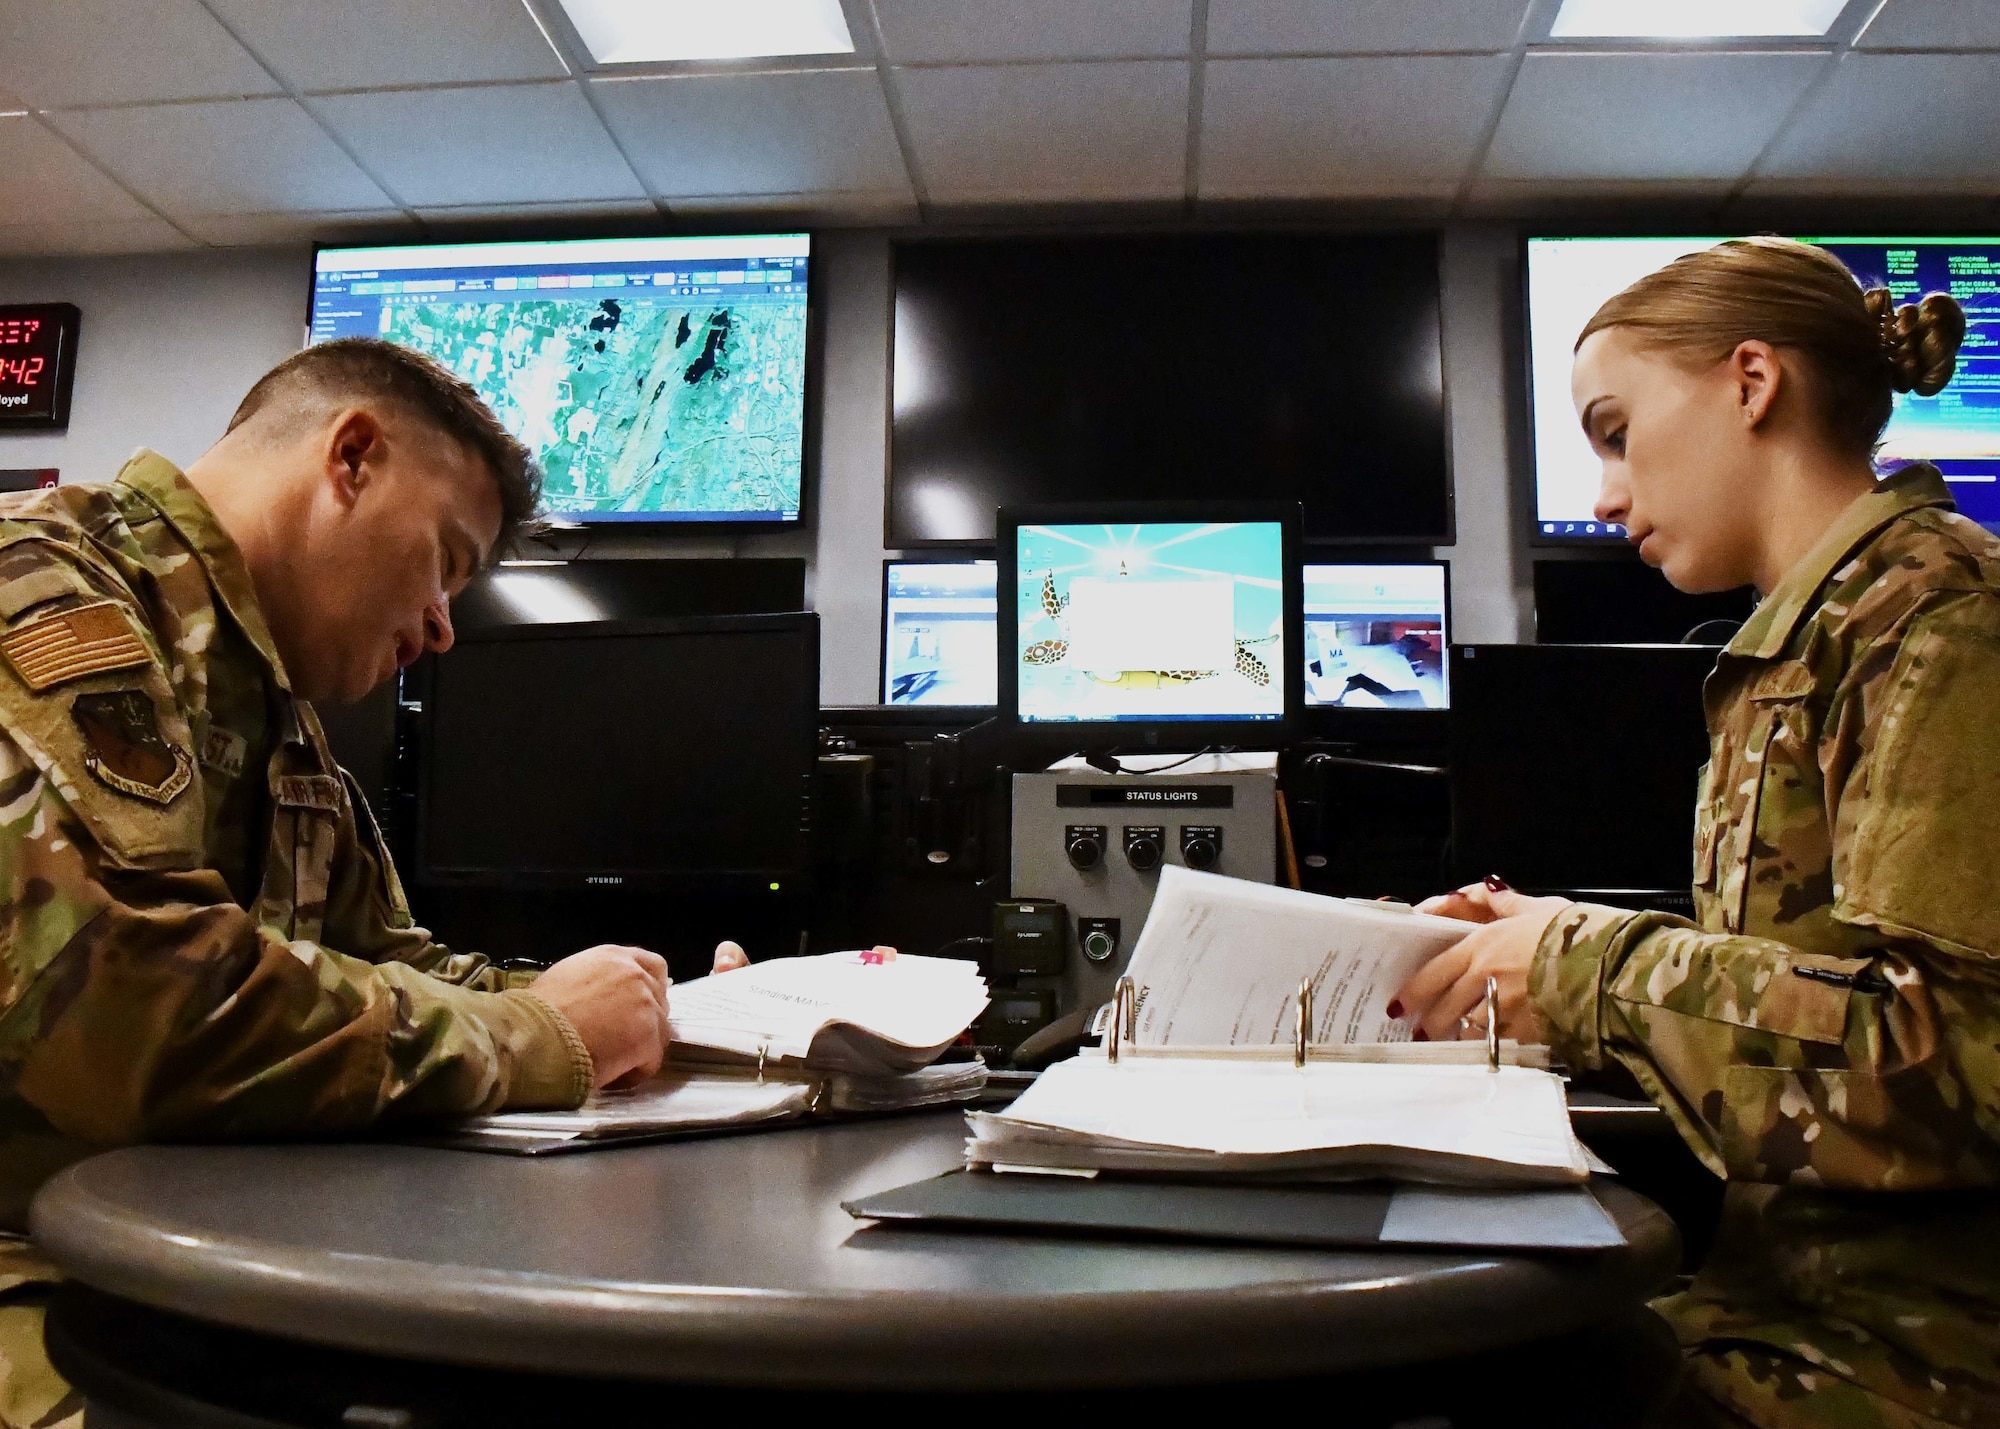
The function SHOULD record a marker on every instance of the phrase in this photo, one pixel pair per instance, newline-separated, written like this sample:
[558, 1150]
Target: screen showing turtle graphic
[657, 379]
[1174, 621]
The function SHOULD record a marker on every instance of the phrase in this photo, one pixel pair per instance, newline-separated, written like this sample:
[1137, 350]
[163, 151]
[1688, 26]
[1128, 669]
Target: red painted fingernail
[1420, 1036]
[1496, 884]
[1395, 1009]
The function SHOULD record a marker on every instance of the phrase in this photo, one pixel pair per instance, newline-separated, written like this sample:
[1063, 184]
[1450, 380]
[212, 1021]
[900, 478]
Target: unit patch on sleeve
[121, 731]
[88, 640]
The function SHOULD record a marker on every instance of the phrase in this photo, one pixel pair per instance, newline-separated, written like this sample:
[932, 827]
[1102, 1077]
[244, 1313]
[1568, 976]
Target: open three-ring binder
[1220, 1107]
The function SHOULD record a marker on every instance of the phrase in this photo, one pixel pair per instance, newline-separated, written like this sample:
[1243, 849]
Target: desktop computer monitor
[1145, 625]
[672, 756]
[1376, 636]
[1573, 767]
[938, 638]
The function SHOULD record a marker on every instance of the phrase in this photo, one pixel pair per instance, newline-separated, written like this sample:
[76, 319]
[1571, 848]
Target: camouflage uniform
[1828, 1037]
[201, 934]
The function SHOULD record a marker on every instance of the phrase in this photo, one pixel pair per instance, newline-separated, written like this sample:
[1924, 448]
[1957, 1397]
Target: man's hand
[729, 957]
[1445, 993]
[616, 998]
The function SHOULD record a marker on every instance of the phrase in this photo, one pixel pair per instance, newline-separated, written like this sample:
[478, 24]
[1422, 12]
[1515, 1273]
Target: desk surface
[729, 1260]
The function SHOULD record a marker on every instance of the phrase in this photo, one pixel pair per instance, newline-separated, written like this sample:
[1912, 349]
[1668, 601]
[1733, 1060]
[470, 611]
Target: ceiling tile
[1934, 25]
[1384, 127]
[515, 143]
[1897, 123]
[1325, 27]
[527, 212]
[824, 210]
[247, 230]
[969, 31]
[69, 240]
[806, 131]
[58, 52]
[1049, 132]
[246, 156]
[49, 182]
[366, 44]
[1645, 116]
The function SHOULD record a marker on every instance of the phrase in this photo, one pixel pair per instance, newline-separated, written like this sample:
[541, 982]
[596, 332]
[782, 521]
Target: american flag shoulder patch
[87, 640]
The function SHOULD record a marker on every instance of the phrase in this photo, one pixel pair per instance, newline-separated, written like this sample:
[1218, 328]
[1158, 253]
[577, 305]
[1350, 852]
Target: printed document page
[872, 1010]
[1219, 962]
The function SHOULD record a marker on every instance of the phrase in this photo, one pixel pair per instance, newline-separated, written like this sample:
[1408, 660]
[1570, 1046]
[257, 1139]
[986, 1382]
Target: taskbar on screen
[1152, 719]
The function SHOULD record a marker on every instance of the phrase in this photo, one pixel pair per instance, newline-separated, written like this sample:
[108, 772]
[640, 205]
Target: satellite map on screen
[657, 379]
[635, 403]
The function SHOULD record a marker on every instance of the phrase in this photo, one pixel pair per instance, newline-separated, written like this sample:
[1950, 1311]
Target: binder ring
[1492, 1024]
[1122, 1019]
[1302, 1030]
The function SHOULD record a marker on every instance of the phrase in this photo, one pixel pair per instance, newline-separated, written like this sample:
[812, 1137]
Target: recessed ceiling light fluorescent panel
[1692, 19]
[630, 32]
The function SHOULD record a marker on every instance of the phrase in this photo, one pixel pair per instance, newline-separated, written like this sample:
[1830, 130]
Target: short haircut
[367, 368]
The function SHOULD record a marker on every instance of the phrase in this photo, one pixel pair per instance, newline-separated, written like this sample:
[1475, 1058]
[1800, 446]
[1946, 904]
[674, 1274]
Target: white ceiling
[142, 125]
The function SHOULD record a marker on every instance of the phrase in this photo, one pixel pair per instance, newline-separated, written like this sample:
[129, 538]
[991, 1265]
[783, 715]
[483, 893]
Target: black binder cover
[1345, 1214]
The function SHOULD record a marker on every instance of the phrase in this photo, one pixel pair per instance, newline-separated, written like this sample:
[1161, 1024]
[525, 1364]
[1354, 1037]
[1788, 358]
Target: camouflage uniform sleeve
[140, 1002]
[1877, 1071]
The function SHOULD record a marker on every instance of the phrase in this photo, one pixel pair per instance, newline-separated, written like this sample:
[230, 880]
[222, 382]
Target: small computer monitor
[1148, 625]
[665, 755]
[938, 636]
[1376, 636]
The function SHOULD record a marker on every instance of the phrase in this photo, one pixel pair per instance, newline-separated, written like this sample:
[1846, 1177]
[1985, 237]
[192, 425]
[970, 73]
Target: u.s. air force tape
[89, 640]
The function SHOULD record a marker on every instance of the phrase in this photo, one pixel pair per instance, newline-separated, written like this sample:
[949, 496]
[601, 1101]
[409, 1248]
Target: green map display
[636, 404]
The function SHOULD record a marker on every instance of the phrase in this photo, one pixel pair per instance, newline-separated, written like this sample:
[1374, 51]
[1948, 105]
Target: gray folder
[1350, 1214]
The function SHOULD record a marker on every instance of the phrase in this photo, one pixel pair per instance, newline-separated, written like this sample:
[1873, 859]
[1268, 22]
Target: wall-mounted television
[658, 379]
[1180, 367]
[1958, 430]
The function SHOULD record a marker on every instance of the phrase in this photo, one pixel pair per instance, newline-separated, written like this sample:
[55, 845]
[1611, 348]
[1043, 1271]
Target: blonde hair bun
[1919, 340]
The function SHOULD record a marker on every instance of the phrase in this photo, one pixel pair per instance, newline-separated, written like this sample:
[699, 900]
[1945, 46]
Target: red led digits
[37, 365]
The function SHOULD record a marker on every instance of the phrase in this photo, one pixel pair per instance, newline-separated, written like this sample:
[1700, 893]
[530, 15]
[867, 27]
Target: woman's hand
[1446, 993]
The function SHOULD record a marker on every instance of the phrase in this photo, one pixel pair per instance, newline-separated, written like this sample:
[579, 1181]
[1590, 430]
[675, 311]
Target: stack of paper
[840, 1034]
[864, 1013]
[1463, 1125]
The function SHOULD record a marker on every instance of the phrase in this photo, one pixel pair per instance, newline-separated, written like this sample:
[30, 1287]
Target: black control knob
[1144, 848]
[1084, 846]
[1201, 848]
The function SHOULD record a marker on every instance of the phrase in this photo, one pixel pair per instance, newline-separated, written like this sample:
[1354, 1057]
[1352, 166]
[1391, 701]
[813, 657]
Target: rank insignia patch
[121, 730]
[86, 641]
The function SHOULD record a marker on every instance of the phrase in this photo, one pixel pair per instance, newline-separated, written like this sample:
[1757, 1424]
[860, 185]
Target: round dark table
[728, 1260]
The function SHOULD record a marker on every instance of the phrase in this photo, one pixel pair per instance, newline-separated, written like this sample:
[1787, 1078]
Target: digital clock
[37, 364]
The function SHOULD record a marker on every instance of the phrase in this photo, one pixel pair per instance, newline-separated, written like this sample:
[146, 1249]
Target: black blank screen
[1575, 766]
[1172, 368]
[655, 755]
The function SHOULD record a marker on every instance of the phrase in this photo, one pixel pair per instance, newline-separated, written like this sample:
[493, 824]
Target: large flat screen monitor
[938, 643]
[1958, 429]
[658, 379]
[1294, 367]
[1150, 626]
[671, 755]
[1376, 636]
[1573, 767]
